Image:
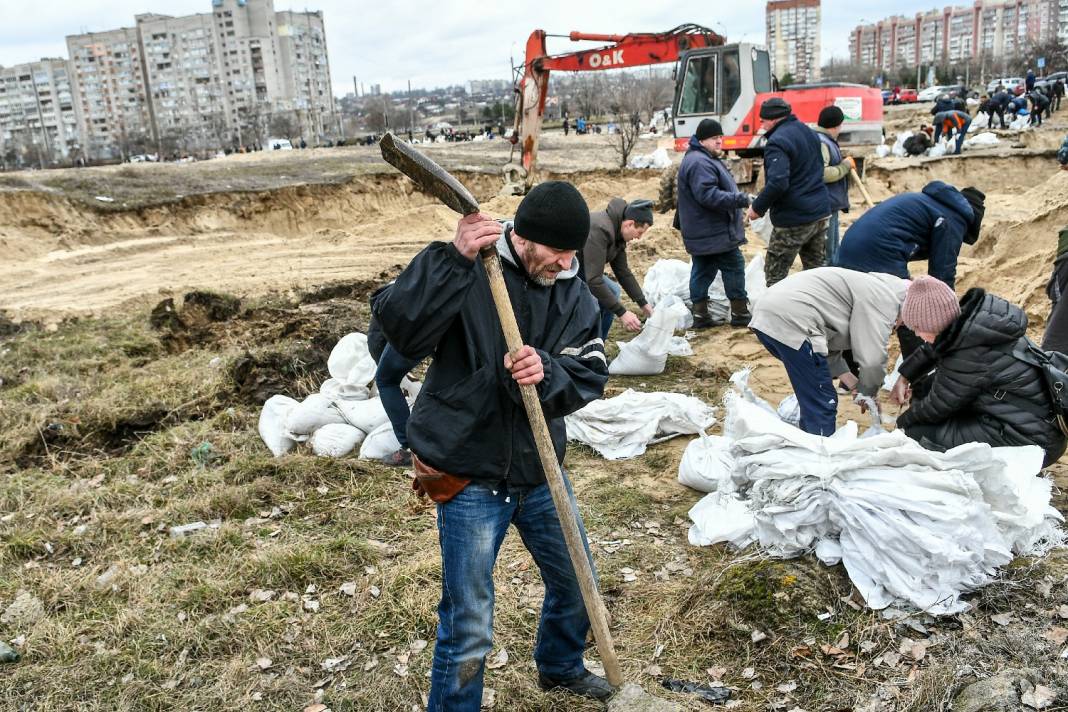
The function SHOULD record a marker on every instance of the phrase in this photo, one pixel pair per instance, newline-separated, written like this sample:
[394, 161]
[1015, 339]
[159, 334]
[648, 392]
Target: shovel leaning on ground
[436, 181]
[863, 188]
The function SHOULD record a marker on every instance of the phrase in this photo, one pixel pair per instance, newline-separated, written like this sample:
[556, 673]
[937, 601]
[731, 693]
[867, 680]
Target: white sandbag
[762, 227]
[899, 145]
[679, 346]
[658, 159]
[789, 410]
[891, 378]
[625, 425]
[981, 121]
[312, 413]
[982, 140]
[379, 442]
[335, 440]
[350, 361]
[667, 278]
[911, 526]
[755, 281]
[936, 151]
[646, 354]
[685, 320]
[971, 101]
[882, 150]
[272, 424]
[335, 389]
[365, 415]
[707, 464]
[1020, 123]
[411, 389]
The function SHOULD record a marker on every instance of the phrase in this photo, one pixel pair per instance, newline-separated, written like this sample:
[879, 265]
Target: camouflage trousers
[808, 240]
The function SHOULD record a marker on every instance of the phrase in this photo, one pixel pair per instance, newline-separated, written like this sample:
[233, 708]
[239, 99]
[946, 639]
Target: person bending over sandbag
[611, 230]
[930, 225]
[811, 318]
[967, 384]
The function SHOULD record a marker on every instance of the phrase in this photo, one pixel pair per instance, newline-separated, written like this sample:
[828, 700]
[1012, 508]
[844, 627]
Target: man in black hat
[836, 170]
[611, 230]
[472, 446]
[711, 221]
[794, 192]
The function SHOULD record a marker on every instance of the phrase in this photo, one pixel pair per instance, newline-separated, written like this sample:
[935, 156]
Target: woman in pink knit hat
[967, 386]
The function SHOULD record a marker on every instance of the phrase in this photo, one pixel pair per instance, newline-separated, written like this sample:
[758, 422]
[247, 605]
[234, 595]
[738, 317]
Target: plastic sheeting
[623, 426]
[910, 525]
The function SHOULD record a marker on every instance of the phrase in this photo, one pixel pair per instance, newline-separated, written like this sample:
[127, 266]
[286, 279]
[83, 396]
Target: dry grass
[175, 626]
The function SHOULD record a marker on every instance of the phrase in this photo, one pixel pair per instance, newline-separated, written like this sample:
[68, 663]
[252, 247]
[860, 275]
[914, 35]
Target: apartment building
[38, 116]
[986, 30]
[793, 38]
[202, 82]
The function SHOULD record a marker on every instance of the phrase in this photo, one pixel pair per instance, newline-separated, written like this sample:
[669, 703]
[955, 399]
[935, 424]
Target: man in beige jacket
[808, 321]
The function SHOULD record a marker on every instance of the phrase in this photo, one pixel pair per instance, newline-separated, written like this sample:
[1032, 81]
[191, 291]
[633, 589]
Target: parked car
[908, 96]
[932, 93]
[1009, 83]
[278, 144]
[1051, 79]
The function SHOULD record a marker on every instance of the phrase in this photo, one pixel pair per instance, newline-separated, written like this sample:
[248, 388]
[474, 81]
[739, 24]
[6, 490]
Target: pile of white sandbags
[910, 525]
[623, 426]
[646, 354]
[658, 159]
[671, 278]
[344, 414]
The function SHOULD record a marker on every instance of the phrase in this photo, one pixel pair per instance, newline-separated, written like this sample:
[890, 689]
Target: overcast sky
[441, 42]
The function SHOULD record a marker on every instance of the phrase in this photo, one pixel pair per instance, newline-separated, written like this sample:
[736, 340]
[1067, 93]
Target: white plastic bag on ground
[379, 442]
[312, 413]
[625, 425]
[350, 361]
[667, 278]
[936, 151]
[335, 440]
[658, 159]
[981, 140]
[981, 121]
[646, 354]
[365, 415]
[762, 227]
[272, 424]
[1020, 123]
[721, 517]
[899, 144]
[707, 464]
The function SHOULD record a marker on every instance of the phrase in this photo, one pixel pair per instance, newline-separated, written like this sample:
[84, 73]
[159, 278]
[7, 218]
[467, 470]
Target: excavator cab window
[732, 79]
[699, 86]
[762, 71]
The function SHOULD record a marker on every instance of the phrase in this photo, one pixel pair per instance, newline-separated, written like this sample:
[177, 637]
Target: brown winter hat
[930, 305]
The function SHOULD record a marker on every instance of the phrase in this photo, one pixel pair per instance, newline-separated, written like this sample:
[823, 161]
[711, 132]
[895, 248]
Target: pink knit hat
[930, 305]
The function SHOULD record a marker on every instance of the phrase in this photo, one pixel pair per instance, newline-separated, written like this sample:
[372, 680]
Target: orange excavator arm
[631, 50]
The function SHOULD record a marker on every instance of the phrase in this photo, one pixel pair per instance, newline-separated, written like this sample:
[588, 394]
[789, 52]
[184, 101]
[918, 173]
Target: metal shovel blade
[431, 178]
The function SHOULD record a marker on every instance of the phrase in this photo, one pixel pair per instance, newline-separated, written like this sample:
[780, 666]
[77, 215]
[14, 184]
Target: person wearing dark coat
[930, 225]
[1058, 94]
[794, 192]
[1056, 336]
[611, 230]
[469, 430]
[1039, 106]
[943, 103]
[999, 102]
[837, 167]
[967, 386]
[950, 123]
[1029, 80]
[710, 219]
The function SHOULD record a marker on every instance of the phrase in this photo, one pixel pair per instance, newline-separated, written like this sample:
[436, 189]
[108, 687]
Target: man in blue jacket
[468, 429]
[710, 219]
[793, 190]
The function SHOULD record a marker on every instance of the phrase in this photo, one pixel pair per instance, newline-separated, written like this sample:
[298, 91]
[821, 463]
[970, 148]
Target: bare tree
[625, 105]
[589, 92]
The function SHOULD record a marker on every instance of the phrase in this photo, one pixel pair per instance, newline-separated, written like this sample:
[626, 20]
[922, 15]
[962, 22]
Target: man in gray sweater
[611, 230]
[809, 320]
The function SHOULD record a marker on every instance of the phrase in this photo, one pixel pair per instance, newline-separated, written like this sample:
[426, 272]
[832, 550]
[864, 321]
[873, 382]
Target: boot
[701, 317]
[586, 685]
[740, 315]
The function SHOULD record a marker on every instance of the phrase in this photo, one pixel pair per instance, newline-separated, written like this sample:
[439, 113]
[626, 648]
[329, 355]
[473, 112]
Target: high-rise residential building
[793, 38]
[38, 115]
[110, 92]
[230, 77]
[987, 30]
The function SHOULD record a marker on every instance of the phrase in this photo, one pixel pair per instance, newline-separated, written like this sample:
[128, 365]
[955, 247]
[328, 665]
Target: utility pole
[355, 87]
[411, 122]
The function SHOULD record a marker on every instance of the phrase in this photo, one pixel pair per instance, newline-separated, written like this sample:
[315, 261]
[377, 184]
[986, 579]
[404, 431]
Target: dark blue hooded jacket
[794, 190]
[912, 226]
[710, 205]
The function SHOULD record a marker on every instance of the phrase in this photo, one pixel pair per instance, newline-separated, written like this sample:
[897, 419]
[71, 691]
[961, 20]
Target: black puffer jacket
[978, 391]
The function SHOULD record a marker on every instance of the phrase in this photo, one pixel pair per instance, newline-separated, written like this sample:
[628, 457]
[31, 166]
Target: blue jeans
[392, 367]
[704, 269]
[606, 315]
[471, 528]
[833, 240]
[811, 378]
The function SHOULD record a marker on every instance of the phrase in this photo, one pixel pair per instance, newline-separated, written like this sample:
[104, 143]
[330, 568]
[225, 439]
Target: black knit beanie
[554, 214]
[774, 108]
[830, 117]
[707, 129]
[977, 199]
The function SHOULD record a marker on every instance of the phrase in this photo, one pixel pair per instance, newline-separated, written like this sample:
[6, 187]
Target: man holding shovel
[473, 447]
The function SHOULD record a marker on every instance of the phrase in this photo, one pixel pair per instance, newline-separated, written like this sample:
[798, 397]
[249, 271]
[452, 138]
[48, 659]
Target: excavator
[713, 79]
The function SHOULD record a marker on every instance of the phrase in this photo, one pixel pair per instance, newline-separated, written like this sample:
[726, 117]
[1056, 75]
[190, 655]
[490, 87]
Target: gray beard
[543, 281]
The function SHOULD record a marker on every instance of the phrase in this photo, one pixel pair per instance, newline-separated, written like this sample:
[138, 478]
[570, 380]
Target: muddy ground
[102, 404]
